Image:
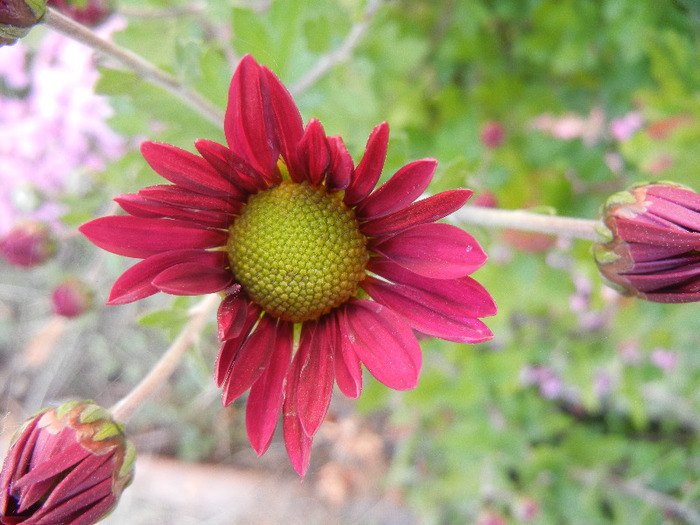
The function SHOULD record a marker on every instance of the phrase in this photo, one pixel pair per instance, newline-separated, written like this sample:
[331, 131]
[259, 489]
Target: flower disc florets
[297, 251]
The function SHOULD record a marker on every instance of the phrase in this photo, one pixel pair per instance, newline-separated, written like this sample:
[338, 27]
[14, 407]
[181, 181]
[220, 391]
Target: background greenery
[585, 407]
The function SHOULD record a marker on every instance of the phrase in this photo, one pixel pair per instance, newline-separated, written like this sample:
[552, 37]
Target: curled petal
[230, 349]
[185, 169]
[348, 369]
[383, 342]
[296, 441]
[370, 167]
[232, 314]
[266, 395]
[313, 156]
[192, 278]
[252, 359]
[317, 374]
[138, 206]
[180, 197]
[245, 178]
[426, 210]
[287, 119]
[341, 165]
[433, 250]
[461, 298]
[399, 191]
[138, 237]
[429, 314]
[249, 122]
[136, 282]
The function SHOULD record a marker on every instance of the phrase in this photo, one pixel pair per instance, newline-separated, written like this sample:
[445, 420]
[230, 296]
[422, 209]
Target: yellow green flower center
[297, 251]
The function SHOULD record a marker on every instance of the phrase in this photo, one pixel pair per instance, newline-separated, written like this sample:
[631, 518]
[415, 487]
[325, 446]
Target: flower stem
[136, 63]
[527, 221]
[199, 314]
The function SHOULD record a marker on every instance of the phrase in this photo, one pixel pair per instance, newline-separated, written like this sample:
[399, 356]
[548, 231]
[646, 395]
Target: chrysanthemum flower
[320, 273]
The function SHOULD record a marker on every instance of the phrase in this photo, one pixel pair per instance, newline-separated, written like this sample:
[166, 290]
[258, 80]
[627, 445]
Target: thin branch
[134, 62]
[527, 221]
[337, 56]
[638, 490]
[199, 314]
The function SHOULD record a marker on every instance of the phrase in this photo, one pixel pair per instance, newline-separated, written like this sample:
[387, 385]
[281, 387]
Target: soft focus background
[583, 409]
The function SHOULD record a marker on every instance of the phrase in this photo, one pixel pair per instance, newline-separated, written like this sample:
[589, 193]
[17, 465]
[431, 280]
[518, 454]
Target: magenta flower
[67, 465]
[650, 243]
[319, 272]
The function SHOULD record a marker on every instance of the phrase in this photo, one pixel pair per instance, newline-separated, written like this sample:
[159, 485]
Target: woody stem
[199, 314]
[134, 62]
[527, 221]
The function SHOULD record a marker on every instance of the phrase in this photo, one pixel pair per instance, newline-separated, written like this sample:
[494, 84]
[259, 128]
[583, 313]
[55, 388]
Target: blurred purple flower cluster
[52, 126]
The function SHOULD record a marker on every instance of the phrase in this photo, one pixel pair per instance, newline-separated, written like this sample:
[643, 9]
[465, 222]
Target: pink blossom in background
[573, 126]
[52, 125]
[662, 359]
[622, 128]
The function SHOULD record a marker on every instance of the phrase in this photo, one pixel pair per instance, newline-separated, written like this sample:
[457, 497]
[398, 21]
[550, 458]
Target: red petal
[426, 210]
[266, 395]
[433, 250]
[192, 279]
[296, 441]
[348, 369]
[249, 122]
[289, 127]
[341, 165]
[184, 169]
[245, 178]
[140, 207]
[232, 314]
[313, 156]
[430, 317]
[231, 347]
[383, 342]
[463, 297]
[141, 238]
[184, 198]
[399, 191]
[370, 167]
[135, 283]
[317, 373]
[252, 359]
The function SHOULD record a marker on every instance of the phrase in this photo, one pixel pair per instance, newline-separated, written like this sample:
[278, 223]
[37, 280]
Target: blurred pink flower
[622, 128]
[52, 127]
[572, 126]
[664, 360]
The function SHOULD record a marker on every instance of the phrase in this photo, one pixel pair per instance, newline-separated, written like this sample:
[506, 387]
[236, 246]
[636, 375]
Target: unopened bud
[17, 17]
[649, 243]
[71, 298]
[66, 465]
[27, 244]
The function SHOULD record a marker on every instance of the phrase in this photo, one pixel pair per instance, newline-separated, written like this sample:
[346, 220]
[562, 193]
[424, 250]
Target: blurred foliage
[585, 407]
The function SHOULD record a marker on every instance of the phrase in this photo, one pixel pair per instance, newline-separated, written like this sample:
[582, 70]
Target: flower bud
[66, 465]
[17, 17]
[493, 134]
[649, 244]
[87, 12]
[27, 244]
[71, 298]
